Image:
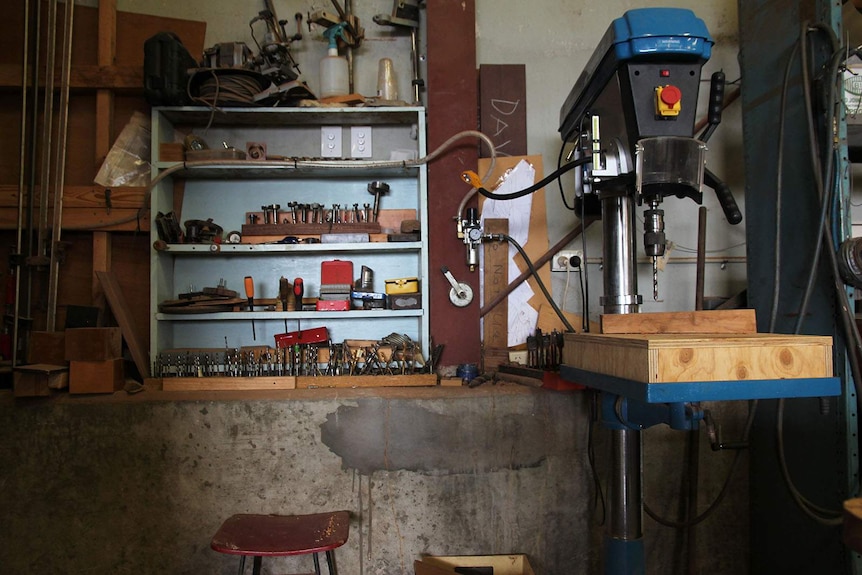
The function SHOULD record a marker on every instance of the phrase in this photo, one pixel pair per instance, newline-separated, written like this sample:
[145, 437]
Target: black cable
[599, 495]
[535, 274]
[560, 181]
[721, 494]
[537, 186]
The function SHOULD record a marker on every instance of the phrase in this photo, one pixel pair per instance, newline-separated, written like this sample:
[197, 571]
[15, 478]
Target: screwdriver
[298, 288]
[249, 293]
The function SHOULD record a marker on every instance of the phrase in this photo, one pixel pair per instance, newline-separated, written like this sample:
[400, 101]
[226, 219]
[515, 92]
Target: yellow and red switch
[668, 100]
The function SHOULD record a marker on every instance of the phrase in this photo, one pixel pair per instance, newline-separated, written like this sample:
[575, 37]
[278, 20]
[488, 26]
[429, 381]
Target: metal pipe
[47, 127]
[22, 162]
[625, 520]
[620, 270]
[60, 166]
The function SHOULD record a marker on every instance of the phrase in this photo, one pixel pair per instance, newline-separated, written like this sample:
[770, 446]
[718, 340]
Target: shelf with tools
[271, 212]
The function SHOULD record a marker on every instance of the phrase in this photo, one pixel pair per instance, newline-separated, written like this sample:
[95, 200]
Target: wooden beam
[124, 317]
[740, 321]
[119, 220]
[82, 77]
[93, 197]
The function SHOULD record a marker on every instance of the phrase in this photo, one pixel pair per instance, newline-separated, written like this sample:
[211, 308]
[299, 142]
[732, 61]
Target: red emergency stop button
[671, 95]
[668, 100]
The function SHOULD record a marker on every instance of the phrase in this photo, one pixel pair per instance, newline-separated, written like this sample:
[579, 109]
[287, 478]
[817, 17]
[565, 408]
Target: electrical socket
[330, 141]
[360, 141]
[561, 262]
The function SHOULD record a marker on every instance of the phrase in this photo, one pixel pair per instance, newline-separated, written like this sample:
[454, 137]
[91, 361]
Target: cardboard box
[94, 343]
[96, 376]
[47, 347]
[501, 564]
[38, 379]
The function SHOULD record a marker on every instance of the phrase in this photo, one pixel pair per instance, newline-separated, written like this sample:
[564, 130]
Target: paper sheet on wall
[522, 316]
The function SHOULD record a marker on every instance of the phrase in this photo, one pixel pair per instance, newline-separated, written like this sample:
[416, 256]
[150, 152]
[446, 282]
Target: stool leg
[316, 564]
[241, 564]
[330, 562]
[258, 560]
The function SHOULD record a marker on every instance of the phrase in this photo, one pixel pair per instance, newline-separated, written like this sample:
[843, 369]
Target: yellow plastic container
[402, 285]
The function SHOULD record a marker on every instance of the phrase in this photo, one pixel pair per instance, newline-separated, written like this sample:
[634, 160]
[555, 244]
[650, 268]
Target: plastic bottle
[333, 68]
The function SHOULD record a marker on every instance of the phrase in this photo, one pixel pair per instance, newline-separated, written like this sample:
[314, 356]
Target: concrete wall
[139, 484]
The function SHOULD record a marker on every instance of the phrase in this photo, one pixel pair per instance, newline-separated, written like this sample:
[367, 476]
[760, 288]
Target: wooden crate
[105, 376]
[47, 347]
[38, 379]
[668, 358]
[94, 343]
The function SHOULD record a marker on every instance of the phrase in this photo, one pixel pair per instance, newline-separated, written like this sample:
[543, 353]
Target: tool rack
[227, 192]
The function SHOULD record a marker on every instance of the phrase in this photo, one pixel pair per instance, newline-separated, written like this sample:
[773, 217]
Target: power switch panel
[330, 141]
[667, 99]
[360, 141]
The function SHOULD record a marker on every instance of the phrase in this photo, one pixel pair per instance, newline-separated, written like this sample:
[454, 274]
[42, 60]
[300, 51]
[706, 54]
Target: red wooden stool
[277, 535]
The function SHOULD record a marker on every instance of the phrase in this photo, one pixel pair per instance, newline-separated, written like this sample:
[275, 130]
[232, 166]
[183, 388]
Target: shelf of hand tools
[246, 201]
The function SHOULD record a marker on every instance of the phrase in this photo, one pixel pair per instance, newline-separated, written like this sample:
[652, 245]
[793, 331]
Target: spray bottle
[333, 68]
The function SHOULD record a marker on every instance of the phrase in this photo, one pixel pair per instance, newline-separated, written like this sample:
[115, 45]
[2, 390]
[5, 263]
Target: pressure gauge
[233, 237]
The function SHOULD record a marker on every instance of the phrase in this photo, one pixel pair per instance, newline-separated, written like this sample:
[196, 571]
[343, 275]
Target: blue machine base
[624, 556]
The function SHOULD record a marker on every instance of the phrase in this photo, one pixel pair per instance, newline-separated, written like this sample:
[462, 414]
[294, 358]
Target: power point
[360, 141]
[330, 141]
[567, 260]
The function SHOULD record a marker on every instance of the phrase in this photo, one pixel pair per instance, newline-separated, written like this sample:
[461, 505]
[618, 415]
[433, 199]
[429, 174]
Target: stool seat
[280, 535]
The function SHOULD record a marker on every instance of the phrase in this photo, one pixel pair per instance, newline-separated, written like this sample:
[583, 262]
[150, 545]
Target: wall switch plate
[330, 141]
[360, 141]
[562, 261]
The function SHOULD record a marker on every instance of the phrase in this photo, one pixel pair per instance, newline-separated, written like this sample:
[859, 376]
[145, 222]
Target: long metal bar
[60, 166]
[22, 163]
[624, 531]
[47, 127]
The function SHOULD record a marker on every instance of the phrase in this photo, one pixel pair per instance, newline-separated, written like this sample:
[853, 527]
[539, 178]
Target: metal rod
[60, 166]
[626, 518]
[25, 44]
[620, 272]
[47, 127]
[701, 258]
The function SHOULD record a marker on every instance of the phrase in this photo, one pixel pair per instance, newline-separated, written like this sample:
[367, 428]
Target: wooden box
[96, 376]
[47, 347]
[94, 343]
[38, 379]
[668, 358]
[496, 564]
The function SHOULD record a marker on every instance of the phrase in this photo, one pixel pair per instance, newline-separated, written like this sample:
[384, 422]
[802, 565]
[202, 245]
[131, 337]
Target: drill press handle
[725, 197]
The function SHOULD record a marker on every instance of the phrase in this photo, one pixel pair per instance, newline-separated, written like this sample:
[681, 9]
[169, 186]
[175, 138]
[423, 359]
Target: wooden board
[227, 383]
[669, 358]
[413, 380]
[495, 324]
[503, 107]
[124, 317]
[712, 321]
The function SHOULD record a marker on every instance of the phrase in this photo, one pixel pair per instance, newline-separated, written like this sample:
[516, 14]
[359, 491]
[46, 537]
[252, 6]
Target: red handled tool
[298, 288]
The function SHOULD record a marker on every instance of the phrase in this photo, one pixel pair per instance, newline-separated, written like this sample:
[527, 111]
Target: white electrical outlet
[360, 141]
[330, 141]
[563, 261]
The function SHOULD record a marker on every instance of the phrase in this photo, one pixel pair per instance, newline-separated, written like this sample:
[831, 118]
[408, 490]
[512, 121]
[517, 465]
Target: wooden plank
[412, 380]
[691, 322]
[92, 196]
[87, 219]
[82, 77]
[495, 324]
[503, 107]
[124, 317]
[668, 358]
[227, 383]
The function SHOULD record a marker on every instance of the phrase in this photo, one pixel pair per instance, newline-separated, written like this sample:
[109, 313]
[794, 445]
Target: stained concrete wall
[139, 484]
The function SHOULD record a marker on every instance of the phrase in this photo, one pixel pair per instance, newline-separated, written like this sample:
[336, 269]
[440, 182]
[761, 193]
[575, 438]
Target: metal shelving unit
[226, 192]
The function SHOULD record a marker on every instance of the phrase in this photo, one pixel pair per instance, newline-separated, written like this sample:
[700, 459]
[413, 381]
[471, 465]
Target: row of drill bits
[381, 358]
